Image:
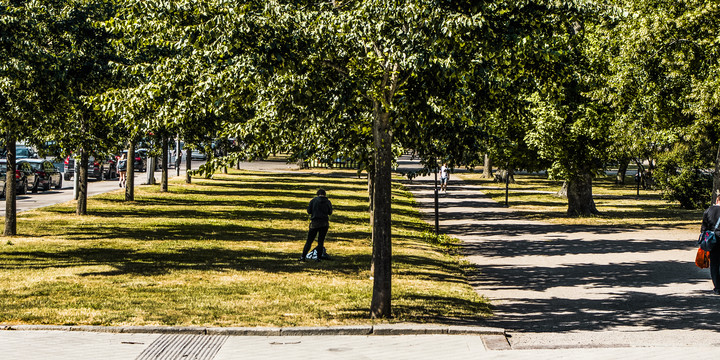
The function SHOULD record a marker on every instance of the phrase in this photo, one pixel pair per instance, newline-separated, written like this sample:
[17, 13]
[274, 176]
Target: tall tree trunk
[10, 187]
[371, 208]
[164, 165]
[381, 230]
[580, 199]
[130, 175]
[82, 183]
[507, 176]
[487, 168]
[225, 153]
[563, 192]
[622, 171]
[188, 165]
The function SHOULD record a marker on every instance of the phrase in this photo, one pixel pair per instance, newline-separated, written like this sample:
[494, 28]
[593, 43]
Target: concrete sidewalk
[76, 345]
[557, 286]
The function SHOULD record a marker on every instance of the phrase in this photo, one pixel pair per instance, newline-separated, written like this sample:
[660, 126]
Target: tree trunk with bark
[563, 192]
[225, 154]
[130, 175]
[164, 165]
[487, 168]
[622, 171]
[580, 199]
[82, 183]
[381, 230]
[507, 176]
[371, 179]
[10, 187]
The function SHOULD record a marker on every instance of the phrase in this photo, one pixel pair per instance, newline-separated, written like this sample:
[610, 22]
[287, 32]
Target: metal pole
[437, 207]
[507, 186]
[178, 157]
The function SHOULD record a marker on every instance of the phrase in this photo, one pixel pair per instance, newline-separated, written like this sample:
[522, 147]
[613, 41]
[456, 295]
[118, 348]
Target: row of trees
[534, 84]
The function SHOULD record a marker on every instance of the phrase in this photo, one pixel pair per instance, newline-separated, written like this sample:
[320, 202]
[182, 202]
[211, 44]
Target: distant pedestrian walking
[122, 169]
[444, 176]
[710, 218]
[320, 209]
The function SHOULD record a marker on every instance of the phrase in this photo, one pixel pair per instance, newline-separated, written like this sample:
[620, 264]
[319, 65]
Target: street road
[53, 196]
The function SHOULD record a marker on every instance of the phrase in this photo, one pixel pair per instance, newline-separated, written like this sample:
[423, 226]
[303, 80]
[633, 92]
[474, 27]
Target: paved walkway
[556, 286]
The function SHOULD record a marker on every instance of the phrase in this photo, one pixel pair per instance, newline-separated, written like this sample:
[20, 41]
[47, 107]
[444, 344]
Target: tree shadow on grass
[426, 269]
[160, 262]
[424, 308]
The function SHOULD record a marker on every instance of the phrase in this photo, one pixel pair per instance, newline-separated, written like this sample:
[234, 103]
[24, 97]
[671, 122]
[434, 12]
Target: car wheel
[59, 185]
[47, 185]
[36, 184]
[23, 188]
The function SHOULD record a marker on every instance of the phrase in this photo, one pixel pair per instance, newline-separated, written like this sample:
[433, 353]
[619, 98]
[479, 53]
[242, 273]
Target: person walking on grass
[320, 209]
[710, 218]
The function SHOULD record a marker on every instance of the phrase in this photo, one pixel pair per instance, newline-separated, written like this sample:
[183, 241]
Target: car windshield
[22, 152]
[35, 166]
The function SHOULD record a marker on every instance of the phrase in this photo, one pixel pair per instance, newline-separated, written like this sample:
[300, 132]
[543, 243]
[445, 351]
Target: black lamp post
[437, 207]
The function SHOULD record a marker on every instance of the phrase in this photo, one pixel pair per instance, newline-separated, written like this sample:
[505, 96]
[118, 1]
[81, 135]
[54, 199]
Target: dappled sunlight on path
[545, 277]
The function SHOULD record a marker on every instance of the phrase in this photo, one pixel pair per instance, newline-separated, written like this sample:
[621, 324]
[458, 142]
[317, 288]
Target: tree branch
[336, 67]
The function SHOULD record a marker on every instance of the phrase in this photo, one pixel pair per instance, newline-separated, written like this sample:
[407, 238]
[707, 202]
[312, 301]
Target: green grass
[533, 196]
[223, 252]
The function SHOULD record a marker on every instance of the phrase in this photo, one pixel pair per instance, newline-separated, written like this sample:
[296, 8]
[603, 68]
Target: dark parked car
[46, 175]
[98, 168]
[3, 176]
[140, 163]
[24, 176]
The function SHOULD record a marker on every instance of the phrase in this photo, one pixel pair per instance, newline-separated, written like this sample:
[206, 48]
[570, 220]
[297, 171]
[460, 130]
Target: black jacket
[320, 209]
[710, 217]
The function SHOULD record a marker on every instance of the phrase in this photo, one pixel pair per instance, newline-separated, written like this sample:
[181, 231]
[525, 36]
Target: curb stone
[362, 330]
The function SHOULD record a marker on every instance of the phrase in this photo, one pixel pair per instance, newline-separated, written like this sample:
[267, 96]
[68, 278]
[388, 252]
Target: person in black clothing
[320, 209]
[710, 218]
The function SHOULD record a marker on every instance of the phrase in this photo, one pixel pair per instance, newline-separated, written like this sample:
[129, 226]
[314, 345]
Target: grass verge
[533, 196]
[223, 252]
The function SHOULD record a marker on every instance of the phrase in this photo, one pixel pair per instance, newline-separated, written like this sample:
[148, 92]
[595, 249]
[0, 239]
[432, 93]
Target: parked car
[140, 163]
[197, 155]
[46, 175]
[3, 176]
[24, 152]
[23, 176]
[21, 152]
[98, 168]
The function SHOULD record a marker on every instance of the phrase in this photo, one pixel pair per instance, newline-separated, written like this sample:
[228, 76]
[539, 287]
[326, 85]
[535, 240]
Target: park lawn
[534, 196]
[224, 252]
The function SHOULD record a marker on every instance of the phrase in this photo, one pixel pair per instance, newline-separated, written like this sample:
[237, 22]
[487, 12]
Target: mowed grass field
[534, 196]
[224, 252]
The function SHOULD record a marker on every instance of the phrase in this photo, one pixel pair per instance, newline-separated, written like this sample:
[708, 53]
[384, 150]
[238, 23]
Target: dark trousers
[715, 267]
[320, 232]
